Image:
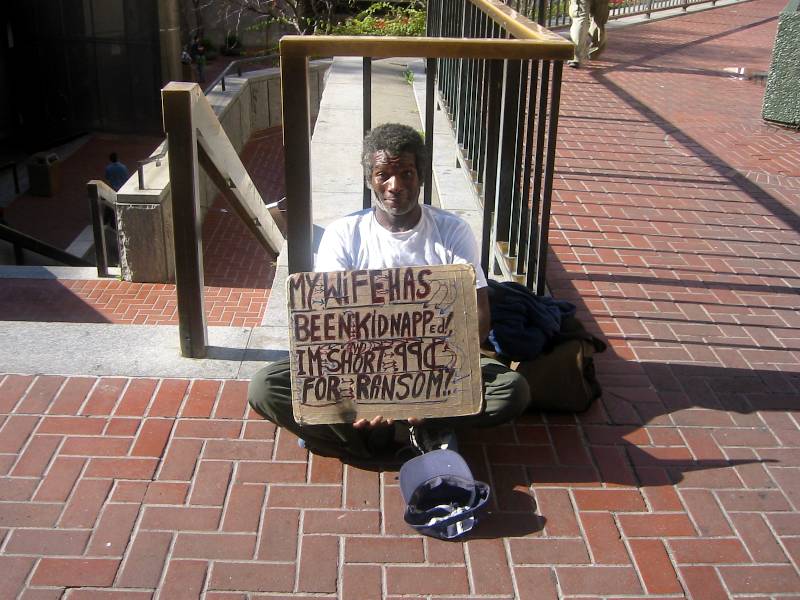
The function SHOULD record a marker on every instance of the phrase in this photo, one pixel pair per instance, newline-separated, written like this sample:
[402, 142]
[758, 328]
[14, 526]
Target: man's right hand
[379, 421]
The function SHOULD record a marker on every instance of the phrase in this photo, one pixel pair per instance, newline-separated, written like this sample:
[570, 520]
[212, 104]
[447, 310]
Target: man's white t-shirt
[358, 241]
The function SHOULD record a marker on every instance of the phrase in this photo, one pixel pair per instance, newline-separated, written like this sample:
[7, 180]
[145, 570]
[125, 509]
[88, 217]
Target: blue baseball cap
[442, 497]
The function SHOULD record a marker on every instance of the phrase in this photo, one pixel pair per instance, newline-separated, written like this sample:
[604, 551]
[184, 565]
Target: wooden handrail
[196, 138]
[306, 46]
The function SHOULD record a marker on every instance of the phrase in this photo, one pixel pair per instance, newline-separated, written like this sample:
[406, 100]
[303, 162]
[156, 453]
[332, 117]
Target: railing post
[19, 255]
[100, 248]
[297, 157]
[178, 104]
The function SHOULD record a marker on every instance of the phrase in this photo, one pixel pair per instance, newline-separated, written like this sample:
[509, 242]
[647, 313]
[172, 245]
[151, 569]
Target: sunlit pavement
[675, 231]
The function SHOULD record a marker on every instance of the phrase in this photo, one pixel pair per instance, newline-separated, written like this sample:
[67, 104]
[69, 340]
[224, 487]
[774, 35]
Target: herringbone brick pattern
[112, 301]
[238, 271]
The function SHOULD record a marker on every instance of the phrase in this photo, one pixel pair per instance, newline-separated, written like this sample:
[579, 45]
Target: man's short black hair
[394, 139]
[112, 157]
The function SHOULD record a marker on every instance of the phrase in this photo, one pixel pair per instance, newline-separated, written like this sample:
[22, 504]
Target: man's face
[395, 181]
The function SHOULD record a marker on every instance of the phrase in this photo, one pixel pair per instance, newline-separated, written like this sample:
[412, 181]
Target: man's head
[394, 159]
[394, 139]
[112, 157]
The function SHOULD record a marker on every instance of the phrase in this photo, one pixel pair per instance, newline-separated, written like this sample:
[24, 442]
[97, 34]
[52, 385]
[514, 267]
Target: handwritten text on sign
[399, 342]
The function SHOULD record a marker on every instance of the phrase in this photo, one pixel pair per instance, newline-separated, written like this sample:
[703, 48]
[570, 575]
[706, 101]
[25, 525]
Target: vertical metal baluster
[366, 112]
[461, 108]
[480, 123]
[516, 200]
[430, 111]
[506, 150]
[444, 64]
[528, 217]
[494, 98]
[476, 96]
[552, 134]
[472, 90]
[533, 259]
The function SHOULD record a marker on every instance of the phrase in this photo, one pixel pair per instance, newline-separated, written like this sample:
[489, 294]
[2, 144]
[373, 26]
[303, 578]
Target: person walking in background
[116, 176]
[116, 172]
[198, 52]
[186, 64]
[588, 30]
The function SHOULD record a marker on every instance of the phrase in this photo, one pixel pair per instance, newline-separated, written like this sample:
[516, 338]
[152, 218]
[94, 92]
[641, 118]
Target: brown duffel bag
[562, 378]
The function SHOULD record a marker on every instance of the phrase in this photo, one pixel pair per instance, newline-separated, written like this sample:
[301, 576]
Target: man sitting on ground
[398, 231]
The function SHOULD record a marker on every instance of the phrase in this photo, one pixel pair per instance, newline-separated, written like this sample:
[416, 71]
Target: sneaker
[575, 64]
[424, 439]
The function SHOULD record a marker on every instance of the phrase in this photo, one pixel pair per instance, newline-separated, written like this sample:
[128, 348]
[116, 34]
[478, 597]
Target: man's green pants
[506, 395]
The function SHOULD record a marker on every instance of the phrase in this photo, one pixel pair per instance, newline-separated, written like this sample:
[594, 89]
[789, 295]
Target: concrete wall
[144, 216]
[782, 95]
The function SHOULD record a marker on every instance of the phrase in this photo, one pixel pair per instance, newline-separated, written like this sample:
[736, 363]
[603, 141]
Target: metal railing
[238, 65]
[101, 197]
[505, 116]
[157, 158]
[555, 13]
[500, 39]
[22, 241]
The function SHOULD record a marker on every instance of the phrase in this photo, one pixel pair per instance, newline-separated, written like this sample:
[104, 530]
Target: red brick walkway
[238, 271]
[676, 231]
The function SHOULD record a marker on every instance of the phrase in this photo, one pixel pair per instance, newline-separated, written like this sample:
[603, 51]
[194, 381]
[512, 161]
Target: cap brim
[425, 467]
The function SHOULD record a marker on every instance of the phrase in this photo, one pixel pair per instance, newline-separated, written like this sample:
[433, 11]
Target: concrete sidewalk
[675, 230]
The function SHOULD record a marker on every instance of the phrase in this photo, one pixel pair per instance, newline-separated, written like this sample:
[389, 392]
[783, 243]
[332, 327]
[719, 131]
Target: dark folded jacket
[523, 323]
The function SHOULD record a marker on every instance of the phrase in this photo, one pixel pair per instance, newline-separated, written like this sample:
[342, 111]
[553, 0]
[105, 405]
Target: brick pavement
[675, 230]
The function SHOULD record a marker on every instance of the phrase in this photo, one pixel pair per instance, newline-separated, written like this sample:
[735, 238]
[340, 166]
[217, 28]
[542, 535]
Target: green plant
[232, 45]
[211, 49]
[409, 76]
[383, 18]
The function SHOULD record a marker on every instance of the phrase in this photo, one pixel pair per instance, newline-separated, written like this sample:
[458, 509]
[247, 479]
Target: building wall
[84, 65]
[6, 113]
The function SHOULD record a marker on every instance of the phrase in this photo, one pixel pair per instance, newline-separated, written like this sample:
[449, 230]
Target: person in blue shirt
[116, 176]
[116, 172]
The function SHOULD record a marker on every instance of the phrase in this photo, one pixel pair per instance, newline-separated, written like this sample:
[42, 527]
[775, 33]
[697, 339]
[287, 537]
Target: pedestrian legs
[597, 29]
[579, 31]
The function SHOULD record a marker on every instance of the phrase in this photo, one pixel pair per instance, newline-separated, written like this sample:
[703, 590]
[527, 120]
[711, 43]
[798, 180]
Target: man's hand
[379, 421]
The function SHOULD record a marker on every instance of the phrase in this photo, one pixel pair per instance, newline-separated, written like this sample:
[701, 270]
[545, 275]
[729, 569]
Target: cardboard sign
[399, 342]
